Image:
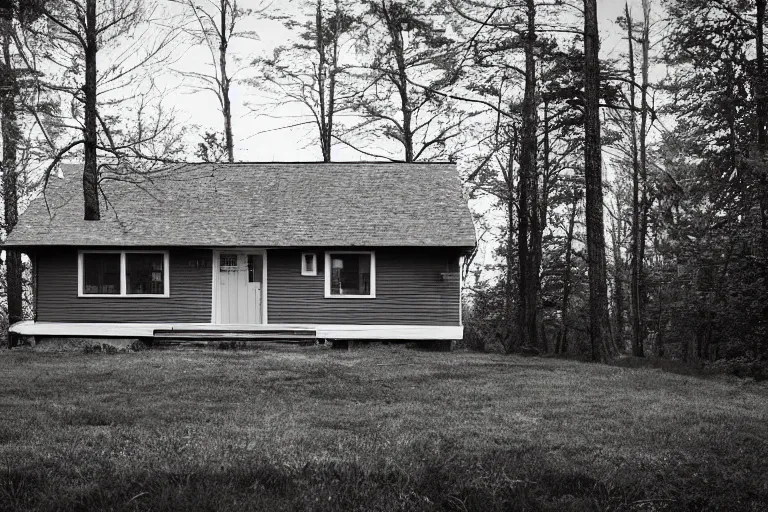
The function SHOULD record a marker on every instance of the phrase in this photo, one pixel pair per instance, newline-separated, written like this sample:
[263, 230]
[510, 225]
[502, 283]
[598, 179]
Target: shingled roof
[264, 205]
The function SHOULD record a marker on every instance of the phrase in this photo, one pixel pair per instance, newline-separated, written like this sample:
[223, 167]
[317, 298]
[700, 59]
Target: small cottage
[315, 250]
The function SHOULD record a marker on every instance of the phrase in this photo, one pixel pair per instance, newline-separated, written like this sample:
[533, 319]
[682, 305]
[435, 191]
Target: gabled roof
[265, 205]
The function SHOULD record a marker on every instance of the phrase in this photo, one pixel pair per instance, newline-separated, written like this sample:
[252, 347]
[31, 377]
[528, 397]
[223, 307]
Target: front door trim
[215, 304]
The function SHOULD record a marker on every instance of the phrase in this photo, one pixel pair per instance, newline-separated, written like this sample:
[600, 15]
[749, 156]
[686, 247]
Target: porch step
[171, 343]
[261, 334]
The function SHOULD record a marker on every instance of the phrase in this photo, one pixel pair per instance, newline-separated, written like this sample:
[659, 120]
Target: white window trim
[123, 286]
[327, 272]
[304, 270]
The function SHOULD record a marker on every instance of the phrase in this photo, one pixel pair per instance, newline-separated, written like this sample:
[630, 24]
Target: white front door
[239, 288]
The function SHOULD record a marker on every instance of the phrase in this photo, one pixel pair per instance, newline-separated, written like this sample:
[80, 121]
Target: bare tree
[639, 181]
[405, 49]
[311, 71]
[215, 24]
[635, 126]
[128, 30]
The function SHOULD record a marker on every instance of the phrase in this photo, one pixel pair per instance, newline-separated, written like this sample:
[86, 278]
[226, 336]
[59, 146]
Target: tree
[711, 214]
[212, 148]
[215, 24]
[311, 72]
[598, 290]
[79, 29]
[15, 87]
[632, 142]
[573, 195]
[9, 90]
[409, 65]
[498, 40]
[638, 170]
[528, 199]
[761, 101]
[640, 201]
[617, 230]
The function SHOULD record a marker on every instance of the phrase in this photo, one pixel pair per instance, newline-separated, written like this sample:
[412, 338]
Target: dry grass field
[385, 428]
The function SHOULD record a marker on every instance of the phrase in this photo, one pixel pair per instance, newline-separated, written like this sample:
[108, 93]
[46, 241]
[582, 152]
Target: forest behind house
[620, 194]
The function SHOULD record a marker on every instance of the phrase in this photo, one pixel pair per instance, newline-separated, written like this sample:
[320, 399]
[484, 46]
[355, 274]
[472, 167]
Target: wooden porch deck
[239, 331]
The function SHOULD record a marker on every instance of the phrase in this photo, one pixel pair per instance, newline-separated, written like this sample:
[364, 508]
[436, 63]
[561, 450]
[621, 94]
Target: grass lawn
[386, 428]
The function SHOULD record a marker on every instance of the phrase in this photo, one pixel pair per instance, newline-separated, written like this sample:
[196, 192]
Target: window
[144, 274]
[228, 262]
[101, 274]
[350, 275]
[255, 268]
[123, 274]
[309, 264]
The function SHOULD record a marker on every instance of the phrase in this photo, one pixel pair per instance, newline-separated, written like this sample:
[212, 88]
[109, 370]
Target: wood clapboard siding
[410, 290]
[189, 301]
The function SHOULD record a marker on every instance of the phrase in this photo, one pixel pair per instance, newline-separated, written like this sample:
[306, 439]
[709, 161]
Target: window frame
[123, 284]
[328, 275]
[304, 271]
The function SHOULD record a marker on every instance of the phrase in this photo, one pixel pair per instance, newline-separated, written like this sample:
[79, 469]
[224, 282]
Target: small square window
[309, 264]
[350, 274]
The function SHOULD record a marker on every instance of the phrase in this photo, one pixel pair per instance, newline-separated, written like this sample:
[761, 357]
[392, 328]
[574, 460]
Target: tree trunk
[399, 79]
[762, 94]
[540, 206]
[598, 290]
[529, 215]
[321, 65]
[511, 229]
[10, 134]
[618, 275]
[225, 103]
[90, 167]
[328, 136]
[636, 261]
[644, 206]
[405, 105]
[761, 98]
[522, 253]
[562, 344]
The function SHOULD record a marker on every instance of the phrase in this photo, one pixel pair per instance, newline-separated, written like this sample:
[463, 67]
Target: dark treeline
[684, 133]
[622, 200]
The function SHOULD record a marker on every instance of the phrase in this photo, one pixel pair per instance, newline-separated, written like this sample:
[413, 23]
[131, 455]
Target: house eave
[22, 246]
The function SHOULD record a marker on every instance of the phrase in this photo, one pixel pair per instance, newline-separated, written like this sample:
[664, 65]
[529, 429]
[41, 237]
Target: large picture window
[123, 274]
[350, 274]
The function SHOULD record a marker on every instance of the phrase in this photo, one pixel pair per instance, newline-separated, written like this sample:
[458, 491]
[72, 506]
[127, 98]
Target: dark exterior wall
[410, 290]
[189, 301]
